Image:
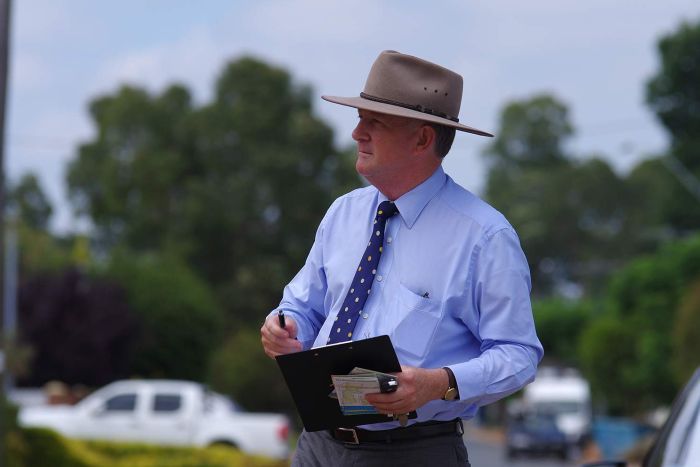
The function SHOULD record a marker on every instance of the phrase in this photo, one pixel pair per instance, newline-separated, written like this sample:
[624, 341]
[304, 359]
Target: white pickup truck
[164, 412]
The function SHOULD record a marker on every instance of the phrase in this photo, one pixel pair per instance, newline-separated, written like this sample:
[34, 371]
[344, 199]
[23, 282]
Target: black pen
[280, 316]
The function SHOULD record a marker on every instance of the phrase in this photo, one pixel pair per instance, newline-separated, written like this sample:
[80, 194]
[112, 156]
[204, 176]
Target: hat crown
[410, 87]
[411, 81]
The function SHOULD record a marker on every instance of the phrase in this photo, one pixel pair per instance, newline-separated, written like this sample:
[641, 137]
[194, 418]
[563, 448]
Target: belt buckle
[352, 432]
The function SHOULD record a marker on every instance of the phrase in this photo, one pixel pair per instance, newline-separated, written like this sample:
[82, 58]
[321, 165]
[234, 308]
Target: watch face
[451, 394]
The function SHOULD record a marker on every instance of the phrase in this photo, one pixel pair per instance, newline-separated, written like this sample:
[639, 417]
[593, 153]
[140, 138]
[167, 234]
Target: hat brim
[381, 107]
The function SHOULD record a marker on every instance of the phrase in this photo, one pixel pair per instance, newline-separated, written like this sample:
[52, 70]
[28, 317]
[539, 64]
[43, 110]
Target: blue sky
[594, 55]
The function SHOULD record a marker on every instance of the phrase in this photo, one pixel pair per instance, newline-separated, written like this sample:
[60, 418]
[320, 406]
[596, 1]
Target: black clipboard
[308, 377]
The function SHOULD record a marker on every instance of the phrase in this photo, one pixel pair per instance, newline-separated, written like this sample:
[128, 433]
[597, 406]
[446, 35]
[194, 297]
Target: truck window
[121, 403]
[167, 402]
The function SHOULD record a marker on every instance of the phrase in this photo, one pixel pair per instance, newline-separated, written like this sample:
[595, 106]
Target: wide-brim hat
[407, 86]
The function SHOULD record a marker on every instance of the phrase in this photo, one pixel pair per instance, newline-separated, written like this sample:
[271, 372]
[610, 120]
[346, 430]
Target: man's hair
[444, 137]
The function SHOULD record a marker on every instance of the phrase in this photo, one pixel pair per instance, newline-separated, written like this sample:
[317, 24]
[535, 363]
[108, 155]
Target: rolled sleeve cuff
[477, 385]
[470, 380]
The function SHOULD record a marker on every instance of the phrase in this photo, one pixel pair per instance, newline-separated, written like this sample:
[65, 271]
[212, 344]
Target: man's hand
[277, 340]
[417, 386]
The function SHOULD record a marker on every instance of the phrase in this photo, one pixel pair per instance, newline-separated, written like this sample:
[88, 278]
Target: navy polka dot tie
[361, 285]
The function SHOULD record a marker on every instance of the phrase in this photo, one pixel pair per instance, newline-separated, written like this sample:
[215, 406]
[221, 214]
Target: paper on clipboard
[350, 390]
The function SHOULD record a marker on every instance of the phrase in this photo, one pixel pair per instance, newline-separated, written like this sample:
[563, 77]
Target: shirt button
[365, 316]
[380, 278]
[388, 239]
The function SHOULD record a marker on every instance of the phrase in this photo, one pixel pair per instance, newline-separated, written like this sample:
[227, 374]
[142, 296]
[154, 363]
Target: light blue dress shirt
[452, 289]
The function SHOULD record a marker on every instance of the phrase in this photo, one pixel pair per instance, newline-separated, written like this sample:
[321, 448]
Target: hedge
[33, 447]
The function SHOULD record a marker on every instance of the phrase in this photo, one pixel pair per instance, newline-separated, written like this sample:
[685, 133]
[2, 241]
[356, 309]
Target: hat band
[418, 108]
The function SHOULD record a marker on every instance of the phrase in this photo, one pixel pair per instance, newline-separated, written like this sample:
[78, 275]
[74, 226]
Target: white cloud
[193, 60]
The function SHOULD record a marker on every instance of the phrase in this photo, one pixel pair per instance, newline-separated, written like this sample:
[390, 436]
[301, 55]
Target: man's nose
[359, 133]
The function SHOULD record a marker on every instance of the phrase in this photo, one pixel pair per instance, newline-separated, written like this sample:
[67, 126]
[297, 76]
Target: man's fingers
[281, 345]
[385, 400]
[400, 406]
[273, 327]
[277, 340]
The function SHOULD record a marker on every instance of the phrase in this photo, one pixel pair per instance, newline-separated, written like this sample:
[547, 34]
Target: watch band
[452, 392]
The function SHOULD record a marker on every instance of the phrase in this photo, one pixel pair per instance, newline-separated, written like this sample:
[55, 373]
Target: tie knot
[386, 209]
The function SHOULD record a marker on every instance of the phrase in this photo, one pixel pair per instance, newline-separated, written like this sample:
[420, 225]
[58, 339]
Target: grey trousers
[319, 449]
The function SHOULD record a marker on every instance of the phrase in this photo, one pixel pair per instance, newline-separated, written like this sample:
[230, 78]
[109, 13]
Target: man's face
[384, 145]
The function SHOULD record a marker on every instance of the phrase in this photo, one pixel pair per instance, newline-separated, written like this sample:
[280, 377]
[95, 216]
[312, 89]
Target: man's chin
[362, 167]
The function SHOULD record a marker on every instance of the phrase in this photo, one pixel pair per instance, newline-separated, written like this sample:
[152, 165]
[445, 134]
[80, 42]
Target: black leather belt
[415, 431]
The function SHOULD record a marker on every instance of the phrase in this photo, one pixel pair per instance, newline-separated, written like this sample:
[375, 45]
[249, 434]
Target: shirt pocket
[418, 319]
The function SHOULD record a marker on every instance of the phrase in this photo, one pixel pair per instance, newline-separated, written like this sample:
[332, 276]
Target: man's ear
[426, 139]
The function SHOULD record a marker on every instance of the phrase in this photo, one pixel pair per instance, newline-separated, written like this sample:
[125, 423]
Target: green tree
[560, 324]
[29, 212]
[131, 178]
[651, 185]
[605, 348]
[672, 93]
[180, 323]
[532, 134]
[571, 215]
[637, 337]
[686, 333]
[31, 204]
[235, 187]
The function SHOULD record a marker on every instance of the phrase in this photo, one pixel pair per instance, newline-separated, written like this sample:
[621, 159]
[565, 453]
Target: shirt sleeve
[510, 349]
[303, 298]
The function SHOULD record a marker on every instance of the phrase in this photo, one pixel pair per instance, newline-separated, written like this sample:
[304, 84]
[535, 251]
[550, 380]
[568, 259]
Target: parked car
[534, 433]
[164, 412]
[678, 441]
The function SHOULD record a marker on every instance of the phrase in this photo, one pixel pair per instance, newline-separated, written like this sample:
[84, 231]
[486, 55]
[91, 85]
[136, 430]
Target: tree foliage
[637, 336]
[532, 134]
[179, 320]
[30, 203]
[604, 349]
[79, 327]
[560, 324]
[651, 186]
[235, 187]
[576, 218]
[673, 94]
[686, 333]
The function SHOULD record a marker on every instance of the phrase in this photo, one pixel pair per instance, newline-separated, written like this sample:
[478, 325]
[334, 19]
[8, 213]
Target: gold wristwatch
[452, 392]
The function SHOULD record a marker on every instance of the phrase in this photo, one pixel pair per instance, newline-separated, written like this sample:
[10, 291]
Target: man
[443, 274]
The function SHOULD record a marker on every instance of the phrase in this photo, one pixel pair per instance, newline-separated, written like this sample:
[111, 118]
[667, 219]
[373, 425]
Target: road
[490, 454]
[485, 448]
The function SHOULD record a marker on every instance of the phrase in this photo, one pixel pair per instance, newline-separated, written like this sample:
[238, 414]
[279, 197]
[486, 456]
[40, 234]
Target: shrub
[45, 447]
[38, 447]
[180, 322]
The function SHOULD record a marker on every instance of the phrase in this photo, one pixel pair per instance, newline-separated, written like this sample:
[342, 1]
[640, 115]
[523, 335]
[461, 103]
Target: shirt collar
[411, 204]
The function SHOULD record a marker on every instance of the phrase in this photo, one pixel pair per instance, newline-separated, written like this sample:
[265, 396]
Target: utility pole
[4, 60]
